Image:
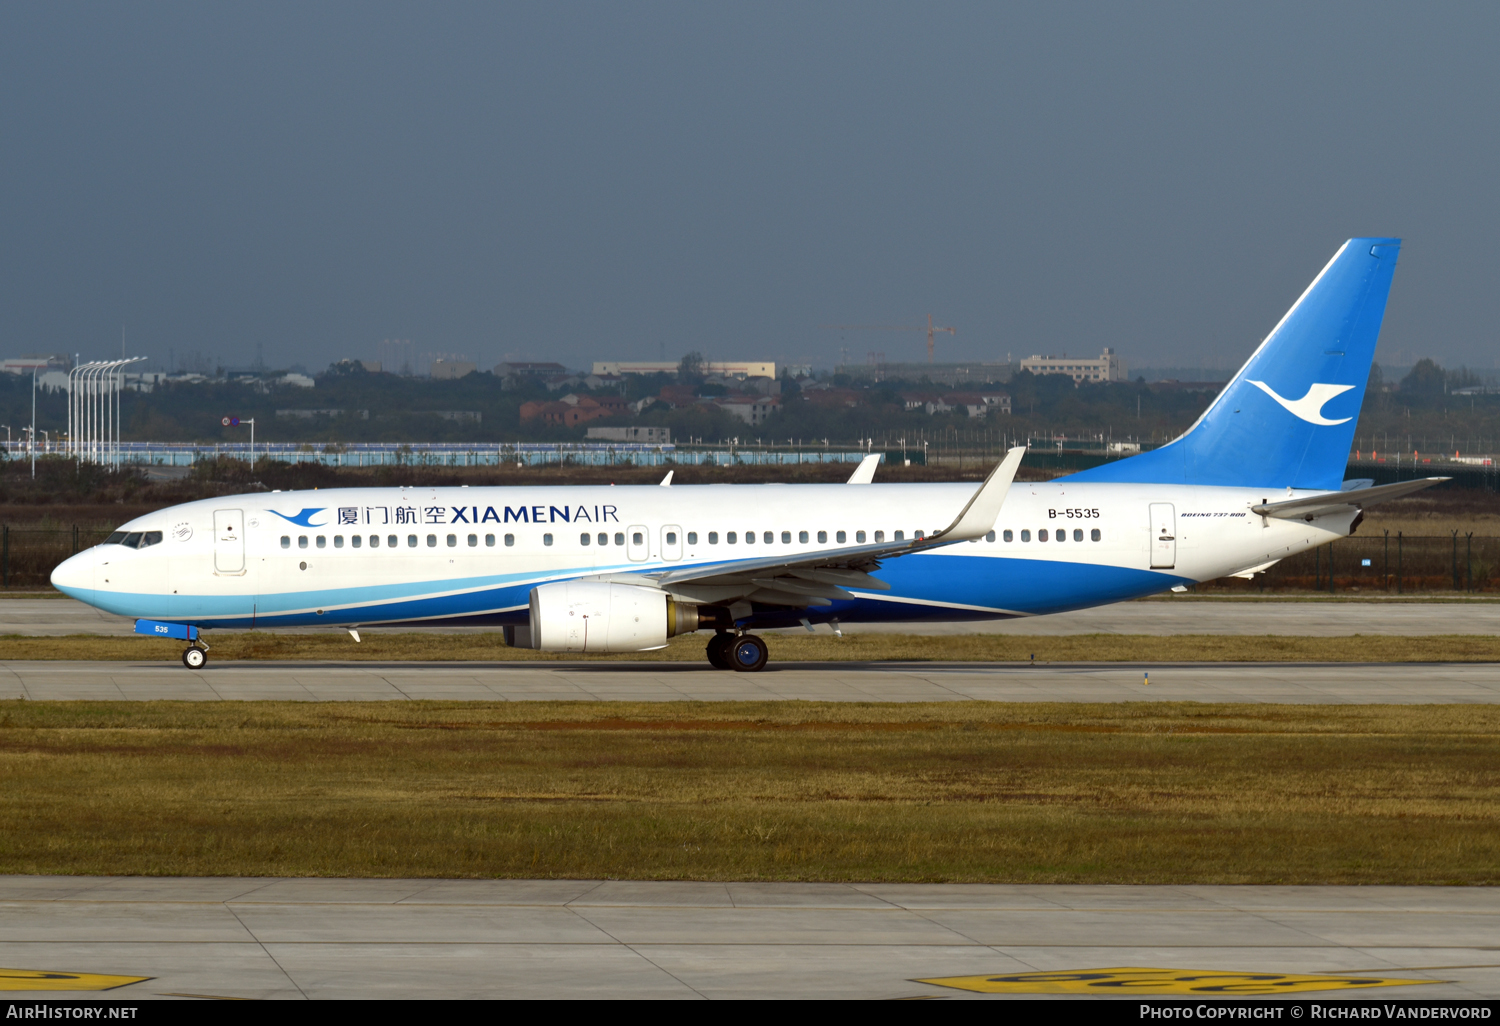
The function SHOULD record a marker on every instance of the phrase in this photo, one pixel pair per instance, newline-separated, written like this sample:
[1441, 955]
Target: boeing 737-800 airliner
[1257, 478]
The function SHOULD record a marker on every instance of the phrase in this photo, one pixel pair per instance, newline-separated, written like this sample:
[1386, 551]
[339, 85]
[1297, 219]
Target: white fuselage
[472, 555]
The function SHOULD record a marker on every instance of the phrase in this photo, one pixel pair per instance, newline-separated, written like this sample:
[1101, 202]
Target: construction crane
[930, 328]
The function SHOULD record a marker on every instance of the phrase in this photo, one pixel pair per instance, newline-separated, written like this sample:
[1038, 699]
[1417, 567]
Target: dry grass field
[777, 791]
[791, 647]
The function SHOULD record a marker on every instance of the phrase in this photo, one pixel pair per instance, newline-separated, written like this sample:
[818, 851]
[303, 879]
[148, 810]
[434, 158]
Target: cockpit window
[115, 538]
[150, 538]
[132, 540]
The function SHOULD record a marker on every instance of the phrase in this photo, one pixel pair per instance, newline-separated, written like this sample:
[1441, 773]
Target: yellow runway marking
[43, 979]
[1139, 980]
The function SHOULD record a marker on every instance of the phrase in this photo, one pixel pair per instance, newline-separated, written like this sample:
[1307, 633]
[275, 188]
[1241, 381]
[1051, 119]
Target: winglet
[978, 518]
[865, 472]
[666, 482]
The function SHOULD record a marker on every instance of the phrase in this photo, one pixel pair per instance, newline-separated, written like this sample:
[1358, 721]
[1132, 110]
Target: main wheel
[194, 658]
[718, 651]
[748, 653]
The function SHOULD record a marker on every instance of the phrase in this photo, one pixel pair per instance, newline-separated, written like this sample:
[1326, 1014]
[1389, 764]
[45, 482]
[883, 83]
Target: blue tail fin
[1288, 417]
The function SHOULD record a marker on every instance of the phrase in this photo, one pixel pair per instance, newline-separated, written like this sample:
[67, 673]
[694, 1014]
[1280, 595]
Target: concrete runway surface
[327, 938]
[1319, 618]
[1334, 683]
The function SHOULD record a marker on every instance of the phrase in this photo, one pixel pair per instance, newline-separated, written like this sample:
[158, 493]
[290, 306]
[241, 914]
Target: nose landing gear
[194, 658]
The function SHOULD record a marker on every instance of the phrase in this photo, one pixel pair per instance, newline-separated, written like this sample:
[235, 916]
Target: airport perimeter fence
[467, 454]
[1394, 564]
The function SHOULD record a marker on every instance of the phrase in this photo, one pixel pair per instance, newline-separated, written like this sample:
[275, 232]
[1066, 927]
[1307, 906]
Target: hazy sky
[577, 181]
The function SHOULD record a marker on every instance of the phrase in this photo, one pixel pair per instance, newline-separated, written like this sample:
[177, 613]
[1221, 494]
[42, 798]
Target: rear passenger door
[1163, 536]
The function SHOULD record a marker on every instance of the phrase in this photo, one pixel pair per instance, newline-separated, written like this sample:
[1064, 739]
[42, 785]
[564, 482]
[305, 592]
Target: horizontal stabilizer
[1313, 506]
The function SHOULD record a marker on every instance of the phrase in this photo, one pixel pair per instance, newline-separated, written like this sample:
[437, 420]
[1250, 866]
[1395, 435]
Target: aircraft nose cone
[74, 576]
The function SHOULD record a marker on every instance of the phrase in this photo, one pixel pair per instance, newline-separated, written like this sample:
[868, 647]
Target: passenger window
[898, 536]
[802, 537]
[619, 537]
[546, 539]
[301, 541]
[768, 537]
[822, 538]
[489, 541]
[391, 541]
[453, 541]
[879, 537]
[713, 537]
[1026, 536]
[322, 542]
[841, 537]
[1078, 534]
[692, 537]
[603, 538]
[1094, 534]
[1041, 535]
[374, 541]
[990, 537]
[1008, 536]
[731, 538]
[749, 537]
[1062, 535]
[432, 541]
[510, 540]
[338, 541]
[286, 541]
[411, 541]
[671, 537]
[584, 539]
[859, 536]
[356, 541]
[786, 537]
[473, 541]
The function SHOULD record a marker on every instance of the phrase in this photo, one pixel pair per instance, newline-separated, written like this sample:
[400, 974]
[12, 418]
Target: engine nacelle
[594, 616]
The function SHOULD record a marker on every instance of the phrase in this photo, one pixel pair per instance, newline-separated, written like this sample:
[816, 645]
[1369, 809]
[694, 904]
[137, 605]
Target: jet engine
[594, 616]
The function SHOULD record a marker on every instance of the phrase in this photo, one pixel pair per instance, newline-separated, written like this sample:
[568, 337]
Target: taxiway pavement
[331, 938]
[1186, 615]
[1330, 683]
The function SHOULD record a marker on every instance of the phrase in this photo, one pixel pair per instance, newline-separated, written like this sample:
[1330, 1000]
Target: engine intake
[594, 616]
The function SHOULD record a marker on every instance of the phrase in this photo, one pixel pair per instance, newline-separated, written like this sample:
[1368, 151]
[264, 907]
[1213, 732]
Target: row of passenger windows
[413, 541]
[393, 541]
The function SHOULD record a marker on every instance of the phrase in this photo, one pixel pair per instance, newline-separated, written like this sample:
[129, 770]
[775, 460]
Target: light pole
[33, 422]
[236, 422]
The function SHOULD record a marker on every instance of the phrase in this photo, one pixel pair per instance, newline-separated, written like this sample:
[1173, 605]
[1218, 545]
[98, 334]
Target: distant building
[639, 435]
[296, 380]
[572, 410]
[35, 362]
[451, 370]
[752, 410]
[730, 368]
[954, 375]
[1108, 367]
[523, 369]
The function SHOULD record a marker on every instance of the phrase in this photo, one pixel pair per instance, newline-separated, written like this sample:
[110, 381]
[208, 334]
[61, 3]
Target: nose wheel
[194, 658]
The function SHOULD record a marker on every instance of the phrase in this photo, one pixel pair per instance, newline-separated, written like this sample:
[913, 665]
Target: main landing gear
[194, 658]
[746, 653]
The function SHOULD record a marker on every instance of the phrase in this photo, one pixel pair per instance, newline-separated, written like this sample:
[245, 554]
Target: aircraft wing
[1313, 506]
[817, 578]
